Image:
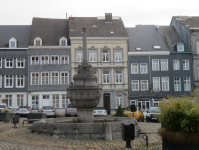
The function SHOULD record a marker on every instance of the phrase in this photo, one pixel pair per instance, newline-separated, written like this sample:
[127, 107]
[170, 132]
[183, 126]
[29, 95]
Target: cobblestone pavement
[23, 138]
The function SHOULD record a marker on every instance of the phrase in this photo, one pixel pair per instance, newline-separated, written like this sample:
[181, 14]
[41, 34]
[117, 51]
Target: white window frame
[45, 62]
[23, 78]
[45, 77]
[1, 60]
[107, 76]
[120, 100]
[134, 69]
[61, 82]
[20, 100]
[9, 100]
[144, 67]
[55, 100]
[64, 100]
[118, 74]
[137, 85]
[19, 61]
[35, 98]
[12, 40]
[174, 65]
[186, 64]
[184, 79]
[31, 62]
[154, 69]
[167, 82]
[91, 55]
[166, 65]
[146, 83]
[80, 55]
[178, 47]
[37, 39]
[53, 61]
[12, 81]
[108, 53]
[117, 53]
[53, 81]
[154, 84]
[177, 84]
[35, 77]
[64, 56]
[62, 39]
[0, 81]
[9, 63]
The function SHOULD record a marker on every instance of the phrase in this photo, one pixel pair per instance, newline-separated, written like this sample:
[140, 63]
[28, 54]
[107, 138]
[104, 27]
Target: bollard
[128, 133]
[15, 119]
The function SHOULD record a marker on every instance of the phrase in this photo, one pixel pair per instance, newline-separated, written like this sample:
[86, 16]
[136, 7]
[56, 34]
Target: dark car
[152, 114]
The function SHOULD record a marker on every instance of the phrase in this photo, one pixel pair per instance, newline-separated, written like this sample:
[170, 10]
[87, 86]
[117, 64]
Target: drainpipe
[28, 78]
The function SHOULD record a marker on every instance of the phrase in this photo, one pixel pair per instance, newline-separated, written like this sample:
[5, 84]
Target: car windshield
[23, 106]
[70, 106]
[48, 108]
[99, 108]
[154, 110]
[128, 108]
[2, 106]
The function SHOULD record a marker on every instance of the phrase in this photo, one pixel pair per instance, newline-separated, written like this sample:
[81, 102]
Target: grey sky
[21, 12]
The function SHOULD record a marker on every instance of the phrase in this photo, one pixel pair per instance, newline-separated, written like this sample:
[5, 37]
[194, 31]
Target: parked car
[138, 114]
[70, 111]
[3, 107]
[152, 114]
[100, 111]
[48, 110]
[24, 110]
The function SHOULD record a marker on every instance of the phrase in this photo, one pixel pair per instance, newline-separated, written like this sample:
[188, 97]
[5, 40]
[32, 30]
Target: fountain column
[84, 94]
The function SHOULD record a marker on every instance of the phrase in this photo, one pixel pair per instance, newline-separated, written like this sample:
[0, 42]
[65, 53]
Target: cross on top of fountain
[84, 94]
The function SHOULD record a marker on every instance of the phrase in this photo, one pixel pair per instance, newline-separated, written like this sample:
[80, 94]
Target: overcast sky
[21, 12]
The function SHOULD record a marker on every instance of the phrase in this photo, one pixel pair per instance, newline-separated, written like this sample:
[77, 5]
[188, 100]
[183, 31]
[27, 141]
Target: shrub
[119, 112]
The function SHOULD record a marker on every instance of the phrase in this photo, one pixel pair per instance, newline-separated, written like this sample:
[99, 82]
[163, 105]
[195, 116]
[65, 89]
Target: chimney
[71, 23]
[108, 17]
[85, 61]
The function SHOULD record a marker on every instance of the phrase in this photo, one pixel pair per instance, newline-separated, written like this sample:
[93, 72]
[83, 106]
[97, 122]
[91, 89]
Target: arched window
[63, 41]
[37, 41]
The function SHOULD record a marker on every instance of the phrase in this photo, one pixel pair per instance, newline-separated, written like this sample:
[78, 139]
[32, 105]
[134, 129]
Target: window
[35, 101]
[65, 101]
[105, 56]
[9, 100]
[54, 59]
[19, 100]
[44, 60]
[118, 77]
[164, 64]
[106, 77]
[35, 60]
[135, 85]
[8, 81]
[9, 63]
[79, 56]
[12, 43]
[44, 78]
[56, 101]
[176, 65]
[119, 100]
[187, 84]
[155, 64]
[156, 83]
[92, 56]
[0, 62]
[138, 49]
[118, 56]
[0, 81]
[64, 59]
[19, 81]
[177, 86]
[20, 62]
[55, 77]
[63, 41]
[38, 43]
[180, 47]
[185, 64]
[64, 78]
[143, 68]
[144, 85]
[34, 78]
[134, 68]
[165, 83]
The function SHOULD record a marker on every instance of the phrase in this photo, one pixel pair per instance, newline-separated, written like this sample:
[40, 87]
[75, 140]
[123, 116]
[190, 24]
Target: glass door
[144, 105]
[35, 101]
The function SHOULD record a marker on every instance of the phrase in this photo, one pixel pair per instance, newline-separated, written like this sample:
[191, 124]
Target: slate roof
[49, 30]
[145, 37]
[188, 21]
[19, 32]
[96, 28]
[171, 37]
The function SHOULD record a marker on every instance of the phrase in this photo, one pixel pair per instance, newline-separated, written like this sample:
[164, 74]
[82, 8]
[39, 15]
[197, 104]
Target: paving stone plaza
[22, 138]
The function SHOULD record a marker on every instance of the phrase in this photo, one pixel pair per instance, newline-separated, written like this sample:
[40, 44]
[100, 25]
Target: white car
[24, 110]
[99, 111]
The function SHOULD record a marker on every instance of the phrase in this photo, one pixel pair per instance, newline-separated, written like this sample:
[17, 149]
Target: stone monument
[84, 94]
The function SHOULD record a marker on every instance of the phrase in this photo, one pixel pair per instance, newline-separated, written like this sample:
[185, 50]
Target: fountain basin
[103, 127]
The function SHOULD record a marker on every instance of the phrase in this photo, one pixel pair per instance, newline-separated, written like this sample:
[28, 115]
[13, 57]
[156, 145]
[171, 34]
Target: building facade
[107, 53]
[14, 65]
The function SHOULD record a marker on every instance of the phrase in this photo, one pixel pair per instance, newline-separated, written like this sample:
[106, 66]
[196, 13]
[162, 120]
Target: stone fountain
[84, 94]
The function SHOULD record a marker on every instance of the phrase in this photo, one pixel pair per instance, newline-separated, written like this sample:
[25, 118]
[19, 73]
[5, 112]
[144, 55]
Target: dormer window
[156, 47]
[180, 47]
[12, 43]
[37, 41]
[63, 41]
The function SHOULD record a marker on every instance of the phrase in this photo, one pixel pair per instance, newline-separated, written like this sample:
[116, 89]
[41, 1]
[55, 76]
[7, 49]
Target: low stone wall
[111, 129]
